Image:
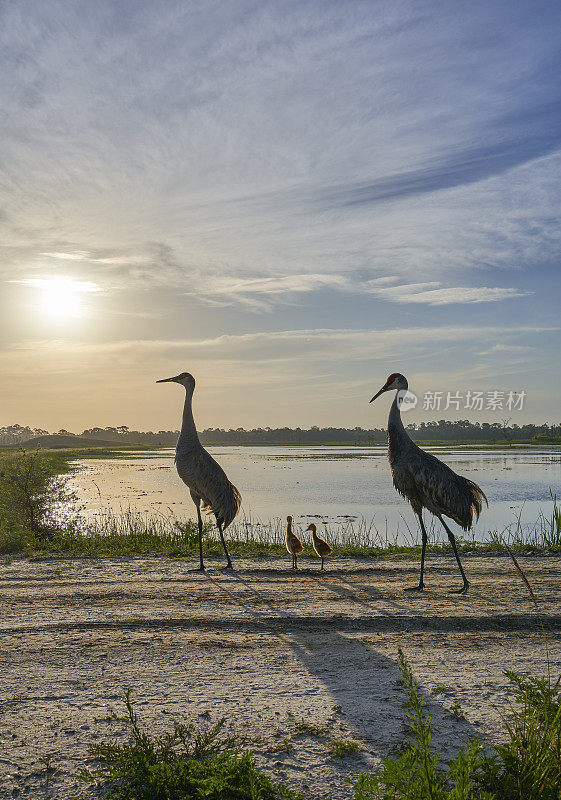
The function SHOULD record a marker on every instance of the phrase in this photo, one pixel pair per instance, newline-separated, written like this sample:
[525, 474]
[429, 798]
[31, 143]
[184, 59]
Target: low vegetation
[527, 765]
[34, 498]
[189, 762]
[341, 748]
[201, 760]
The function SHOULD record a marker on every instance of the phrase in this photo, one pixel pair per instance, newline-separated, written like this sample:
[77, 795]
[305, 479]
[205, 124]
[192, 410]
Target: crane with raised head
[206, 480]
[426, 482]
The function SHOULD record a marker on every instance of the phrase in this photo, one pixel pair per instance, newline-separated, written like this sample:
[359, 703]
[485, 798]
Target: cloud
[293, 346]
[507, 349]
[61, 284]
[428, 294]
[77, 256]
[525, 142]
[260, 294]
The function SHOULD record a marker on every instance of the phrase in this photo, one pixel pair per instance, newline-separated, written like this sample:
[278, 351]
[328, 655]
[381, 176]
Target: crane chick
[293, 543]
[320, 545]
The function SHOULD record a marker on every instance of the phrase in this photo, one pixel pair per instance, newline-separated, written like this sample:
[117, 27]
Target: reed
[164, 533]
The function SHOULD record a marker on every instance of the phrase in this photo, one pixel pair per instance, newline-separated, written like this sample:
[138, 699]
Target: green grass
[307, 729]
[341, 748]
[193, 761]
[526, 766]
[440, 689]
[129, 534]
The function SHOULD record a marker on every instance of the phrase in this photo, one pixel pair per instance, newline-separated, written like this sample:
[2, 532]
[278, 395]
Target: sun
[63, 298]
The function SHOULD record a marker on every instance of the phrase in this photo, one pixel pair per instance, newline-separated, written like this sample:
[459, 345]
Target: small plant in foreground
[187, 763]
[440, 689]
[33, 494]
[528, 765]
[283, 746]
[415, 773]
[457, 711]
[341, 748]
[312, 730]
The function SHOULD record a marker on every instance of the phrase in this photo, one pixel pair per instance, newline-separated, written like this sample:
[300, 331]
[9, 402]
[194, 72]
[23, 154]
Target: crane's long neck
[396, 432]
[188, 438]
[395, 425]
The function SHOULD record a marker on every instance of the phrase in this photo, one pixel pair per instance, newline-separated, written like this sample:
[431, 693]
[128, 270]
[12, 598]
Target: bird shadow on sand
[339, 674]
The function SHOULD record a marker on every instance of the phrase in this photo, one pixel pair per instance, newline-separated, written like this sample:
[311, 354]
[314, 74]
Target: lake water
[346, 488]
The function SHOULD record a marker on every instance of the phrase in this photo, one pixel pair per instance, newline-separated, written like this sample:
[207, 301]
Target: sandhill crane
[203, 476]
[426, 482]
[293, 543]
[320, 545]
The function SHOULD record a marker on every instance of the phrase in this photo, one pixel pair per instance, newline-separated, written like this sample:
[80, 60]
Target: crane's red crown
[392, 377]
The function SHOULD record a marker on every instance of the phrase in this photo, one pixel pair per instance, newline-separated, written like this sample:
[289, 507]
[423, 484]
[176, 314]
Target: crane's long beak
[384, 388]
[166, 380]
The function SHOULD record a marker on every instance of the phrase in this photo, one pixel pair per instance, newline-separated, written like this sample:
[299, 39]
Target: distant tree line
[441, 431]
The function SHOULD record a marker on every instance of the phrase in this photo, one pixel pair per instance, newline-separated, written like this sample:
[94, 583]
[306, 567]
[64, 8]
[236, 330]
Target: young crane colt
[320, 545]
[293, 543]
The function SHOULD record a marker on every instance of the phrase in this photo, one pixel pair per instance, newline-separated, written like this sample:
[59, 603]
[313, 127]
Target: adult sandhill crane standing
[293, 543]
[320, 545]
[428, 483]
[203, 476]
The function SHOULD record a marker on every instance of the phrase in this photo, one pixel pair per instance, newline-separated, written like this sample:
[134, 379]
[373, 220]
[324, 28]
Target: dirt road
[265, 648]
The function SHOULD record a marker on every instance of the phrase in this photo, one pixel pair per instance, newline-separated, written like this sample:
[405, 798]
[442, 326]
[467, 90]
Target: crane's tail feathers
[230, 507]
[477, 497]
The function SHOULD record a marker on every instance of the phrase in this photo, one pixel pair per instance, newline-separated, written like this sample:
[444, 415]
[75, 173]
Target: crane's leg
[229, 563]
[295, 561]
[200, 521]
[322, 562]
[451, 536]
[421, 585]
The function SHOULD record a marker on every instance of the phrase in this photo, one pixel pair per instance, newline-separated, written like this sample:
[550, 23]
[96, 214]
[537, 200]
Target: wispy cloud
[506, 349]
[260, 294]
[429, 294]
[280, 345]
[61, 284]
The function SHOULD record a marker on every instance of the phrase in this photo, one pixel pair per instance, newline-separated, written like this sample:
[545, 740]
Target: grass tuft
[306, 728]
[189, 762]
[415, 774]
[341, 748]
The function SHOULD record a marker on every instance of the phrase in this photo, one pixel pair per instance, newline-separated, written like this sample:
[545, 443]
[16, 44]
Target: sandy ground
[264, 647]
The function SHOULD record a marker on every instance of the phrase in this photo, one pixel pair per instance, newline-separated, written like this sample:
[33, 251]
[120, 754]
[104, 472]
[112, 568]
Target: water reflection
[349, 489]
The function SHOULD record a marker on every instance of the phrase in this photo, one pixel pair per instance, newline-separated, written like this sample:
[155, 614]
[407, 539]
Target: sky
[289, 200]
